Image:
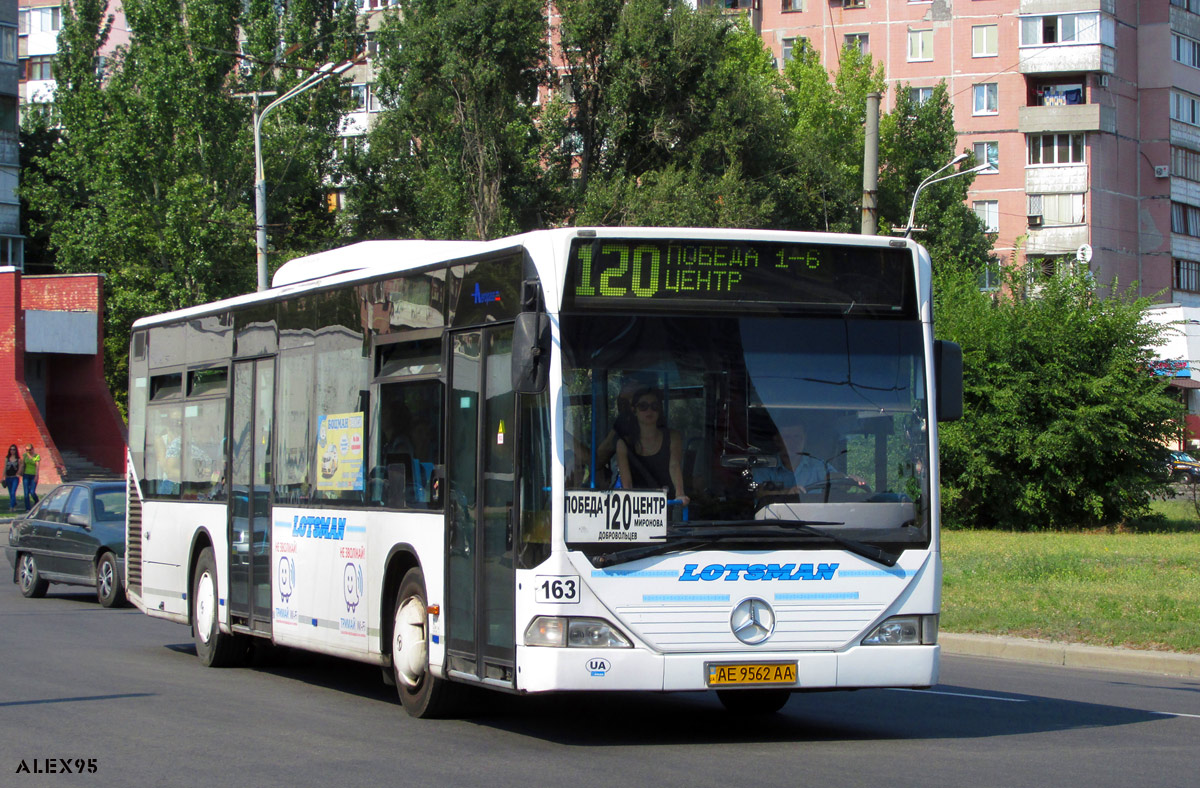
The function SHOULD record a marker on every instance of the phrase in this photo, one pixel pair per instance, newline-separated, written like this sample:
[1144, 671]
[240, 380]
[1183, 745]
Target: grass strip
[1133, 589]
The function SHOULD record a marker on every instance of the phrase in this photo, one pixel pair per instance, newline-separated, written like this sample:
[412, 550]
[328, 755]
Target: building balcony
[1049, 179]
[1185, 22]
[1067, 59]
[1069, 117]
[1185, 134]
[1067, 6]
[1056, 240]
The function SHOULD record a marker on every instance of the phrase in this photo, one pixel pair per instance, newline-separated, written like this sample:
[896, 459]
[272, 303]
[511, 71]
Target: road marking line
[1176, 714]
[959, 695]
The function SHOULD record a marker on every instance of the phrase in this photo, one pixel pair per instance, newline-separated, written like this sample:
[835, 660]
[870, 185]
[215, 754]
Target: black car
[75, 535]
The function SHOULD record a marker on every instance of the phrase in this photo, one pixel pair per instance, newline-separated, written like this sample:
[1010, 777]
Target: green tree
[150, 180]
[685, 109]
[827, 114]
[457, 152]
[915, 140]
[1064, 425]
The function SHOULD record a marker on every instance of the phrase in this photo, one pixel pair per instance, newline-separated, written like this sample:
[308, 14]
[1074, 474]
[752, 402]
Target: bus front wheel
[214, 648]
[421, 693]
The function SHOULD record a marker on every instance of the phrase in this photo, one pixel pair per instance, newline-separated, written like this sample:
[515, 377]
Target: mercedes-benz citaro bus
[576, 459]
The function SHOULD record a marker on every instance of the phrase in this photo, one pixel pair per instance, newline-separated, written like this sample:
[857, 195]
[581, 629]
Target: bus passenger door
[249, 494]
[480, 516]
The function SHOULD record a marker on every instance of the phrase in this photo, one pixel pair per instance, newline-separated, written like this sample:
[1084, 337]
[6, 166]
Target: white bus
[576, 459]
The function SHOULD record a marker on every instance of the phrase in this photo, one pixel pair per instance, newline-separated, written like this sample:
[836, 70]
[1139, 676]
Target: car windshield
[1181, 456]
[109, 503]
[812, 420]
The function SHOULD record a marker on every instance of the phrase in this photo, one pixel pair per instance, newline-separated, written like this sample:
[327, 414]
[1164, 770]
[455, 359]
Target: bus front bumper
[542, 669]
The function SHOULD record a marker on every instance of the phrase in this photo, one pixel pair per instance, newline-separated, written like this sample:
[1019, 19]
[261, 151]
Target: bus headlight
[904, 631]
[560, 631]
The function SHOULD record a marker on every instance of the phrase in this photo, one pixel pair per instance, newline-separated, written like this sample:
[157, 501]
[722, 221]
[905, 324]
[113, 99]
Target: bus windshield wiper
[700, 532]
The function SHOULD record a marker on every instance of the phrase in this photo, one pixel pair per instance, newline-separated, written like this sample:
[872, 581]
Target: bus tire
[421, 693]
[215, 648]
[757, 701]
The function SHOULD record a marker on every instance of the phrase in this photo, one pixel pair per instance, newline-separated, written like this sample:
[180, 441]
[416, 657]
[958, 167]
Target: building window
[1057, 209]
[46, 20]
[23, 21]
[39, 67]
[1062, 29]
[793, 5]
[989, 153]
[1185, 108]
[989, 276]
[1187, 5]
[985, 41]
[1185, 163]
[1185, 219]
[1055, 148]
[8, 44]
[1187, 275]
[1185, 50]
[789, 46]
[1058, 94]
[920, 45]
[988, 212]
[987, 101]
[920, 95]
[857, 41]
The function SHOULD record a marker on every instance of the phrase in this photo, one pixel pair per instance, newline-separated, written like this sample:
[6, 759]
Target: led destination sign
[605, 272]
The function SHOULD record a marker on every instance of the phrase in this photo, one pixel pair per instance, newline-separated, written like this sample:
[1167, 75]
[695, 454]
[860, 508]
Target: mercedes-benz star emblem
[752, 621]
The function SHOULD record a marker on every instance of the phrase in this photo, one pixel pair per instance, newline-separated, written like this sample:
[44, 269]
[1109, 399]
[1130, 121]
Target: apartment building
[1087, 110]
[11, 244]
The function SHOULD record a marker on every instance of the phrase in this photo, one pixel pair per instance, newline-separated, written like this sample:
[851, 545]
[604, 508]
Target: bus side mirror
[948, 368]
[531, 353]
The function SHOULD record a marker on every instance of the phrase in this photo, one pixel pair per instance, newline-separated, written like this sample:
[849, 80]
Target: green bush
[1064, 425]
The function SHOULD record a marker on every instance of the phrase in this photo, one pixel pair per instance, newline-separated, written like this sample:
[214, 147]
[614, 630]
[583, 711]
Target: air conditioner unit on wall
[1035, 220]
[1162, 171]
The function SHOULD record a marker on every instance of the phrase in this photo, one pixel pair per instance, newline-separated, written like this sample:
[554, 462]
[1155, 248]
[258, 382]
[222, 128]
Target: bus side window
[408, 448]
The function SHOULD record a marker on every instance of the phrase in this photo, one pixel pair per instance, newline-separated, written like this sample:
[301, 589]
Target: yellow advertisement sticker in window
[340, 451]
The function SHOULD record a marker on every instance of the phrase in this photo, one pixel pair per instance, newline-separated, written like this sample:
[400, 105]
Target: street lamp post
[325, 72]
[932, 179]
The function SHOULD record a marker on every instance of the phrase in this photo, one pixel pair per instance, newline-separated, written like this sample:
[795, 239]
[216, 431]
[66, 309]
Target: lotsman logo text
[759, 572]
[485, 298]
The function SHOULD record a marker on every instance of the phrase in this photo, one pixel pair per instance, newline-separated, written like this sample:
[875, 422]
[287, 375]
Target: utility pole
[325, 72]
[870, 203]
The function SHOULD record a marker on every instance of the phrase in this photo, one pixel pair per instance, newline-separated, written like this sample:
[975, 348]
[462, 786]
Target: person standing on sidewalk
[12, 475]
[29, 474]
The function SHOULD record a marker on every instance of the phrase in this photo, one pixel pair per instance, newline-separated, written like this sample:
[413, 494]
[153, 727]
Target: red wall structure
[80, 413]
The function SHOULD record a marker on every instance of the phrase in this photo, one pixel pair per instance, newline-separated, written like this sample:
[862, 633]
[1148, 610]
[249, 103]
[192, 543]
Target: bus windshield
[756, 421]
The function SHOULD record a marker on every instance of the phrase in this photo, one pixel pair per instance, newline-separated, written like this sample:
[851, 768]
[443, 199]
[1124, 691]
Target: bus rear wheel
[757, 701]
[421, 693]
[216, 649]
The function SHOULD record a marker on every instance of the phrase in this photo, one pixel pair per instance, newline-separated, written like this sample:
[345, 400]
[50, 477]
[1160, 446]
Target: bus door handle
[508, 529]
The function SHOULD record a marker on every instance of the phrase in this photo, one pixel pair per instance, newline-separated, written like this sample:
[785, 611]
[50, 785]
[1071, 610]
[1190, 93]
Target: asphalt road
[125, 692]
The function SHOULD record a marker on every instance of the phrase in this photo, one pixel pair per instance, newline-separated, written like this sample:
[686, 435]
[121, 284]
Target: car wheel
[33, 585]
[1182, 477]
[421, 693]
[110, 590]
[761, 701]
[215, 648]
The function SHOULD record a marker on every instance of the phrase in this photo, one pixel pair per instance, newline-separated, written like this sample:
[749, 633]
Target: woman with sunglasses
[653, 457]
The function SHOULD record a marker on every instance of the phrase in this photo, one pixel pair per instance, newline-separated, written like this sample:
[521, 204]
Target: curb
[1071, 655]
